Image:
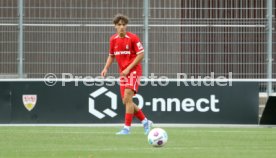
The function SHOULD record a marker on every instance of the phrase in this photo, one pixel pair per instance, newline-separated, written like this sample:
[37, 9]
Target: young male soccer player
[129, 52]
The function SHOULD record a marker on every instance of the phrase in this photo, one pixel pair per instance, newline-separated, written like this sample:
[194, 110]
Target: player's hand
[125, 72]
[103, 73]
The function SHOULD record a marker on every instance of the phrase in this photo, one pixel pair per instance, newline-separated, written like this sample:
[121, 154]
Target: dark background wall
[163, 104]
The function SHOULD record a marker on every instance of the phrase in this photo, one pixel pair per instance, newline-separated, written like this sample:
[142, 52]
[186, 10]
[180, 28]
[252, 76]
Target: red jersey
[125, 50]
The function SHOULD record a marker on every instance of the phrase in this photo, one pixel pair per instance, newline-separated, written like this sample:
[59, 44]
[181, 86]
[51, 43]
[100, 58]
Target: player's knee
[127, 100]
[128, 94]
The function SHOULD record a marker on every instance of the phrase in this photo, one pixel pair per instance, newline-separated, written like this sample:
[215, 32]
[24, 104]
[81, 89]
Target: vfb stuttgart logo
[92, 107]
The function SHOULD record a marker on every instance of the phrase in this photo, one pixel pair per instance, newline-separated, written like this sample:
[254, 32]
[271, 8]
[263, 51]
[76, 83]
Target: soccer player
[129, 52]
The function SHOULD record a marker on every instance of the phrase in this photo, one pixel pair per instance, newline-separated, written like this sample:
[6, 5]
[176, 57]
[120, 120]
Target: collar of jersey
[126, 36]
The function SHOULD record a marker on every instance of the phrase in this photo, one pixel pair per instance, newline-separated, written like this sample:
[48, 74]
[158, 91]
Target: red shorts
[131, 81]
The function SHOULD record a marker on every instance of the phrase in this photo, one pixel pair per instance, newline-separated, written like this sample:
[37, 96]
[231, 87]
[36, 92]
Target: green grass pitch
[101, 142]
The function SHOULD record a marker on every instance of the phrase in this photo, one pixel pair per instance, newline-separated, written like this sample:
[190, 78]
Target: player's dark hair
[119, 17]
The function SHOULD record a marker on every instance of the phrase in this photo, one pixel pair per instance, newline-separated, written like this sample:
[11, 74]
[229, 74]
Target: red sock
[128, 119]
[140, 115]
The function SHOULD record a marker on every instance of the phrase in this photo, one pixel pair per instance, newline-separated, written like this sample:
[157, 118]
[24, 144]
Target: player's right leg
[129, 110]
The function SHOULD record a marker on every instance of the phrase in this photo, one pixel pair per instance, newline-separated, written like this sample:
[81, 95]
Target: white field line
[59, 132]
[139, 125]
[132, 133]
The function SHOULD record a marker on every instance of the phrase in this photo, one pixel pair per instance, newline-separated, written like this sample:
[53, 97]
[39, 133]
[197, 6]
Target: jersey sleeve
[111, 47]
[138, 47]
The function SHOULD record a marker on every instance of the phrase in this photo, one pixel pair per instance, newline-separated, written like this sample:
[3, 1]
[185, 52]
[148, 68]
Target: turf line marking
[139, 125]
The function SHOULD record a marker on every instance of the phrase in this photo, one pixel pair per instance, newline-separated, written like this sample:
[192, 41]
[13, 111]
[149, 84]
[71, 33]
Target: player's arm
[110, 58]
[136, 61]
[108, 63]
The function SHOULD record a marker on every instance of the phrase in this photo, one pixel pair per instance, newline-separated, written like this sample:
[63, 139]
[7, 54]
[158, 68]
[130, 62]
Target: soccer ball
[157, 137]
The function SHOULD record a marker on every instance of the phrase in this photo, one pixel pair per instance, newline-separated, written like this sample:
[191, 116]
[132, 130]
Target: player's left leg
[138, 113]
